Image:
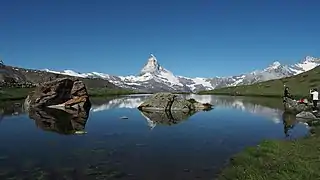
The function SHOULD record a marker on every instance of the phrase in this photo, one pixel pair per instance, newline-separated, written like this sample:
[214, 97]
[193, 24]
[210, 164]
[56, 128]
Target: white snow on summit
[274, 65]
[152, 66]
[307, 64]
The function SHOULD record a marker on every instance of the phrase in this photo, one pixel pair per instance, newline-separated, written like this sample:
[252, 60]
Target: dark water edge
[139, 147]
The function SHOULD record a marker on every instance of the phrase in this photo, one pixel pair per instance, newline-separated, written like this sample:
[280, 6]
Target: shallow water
[144, 146]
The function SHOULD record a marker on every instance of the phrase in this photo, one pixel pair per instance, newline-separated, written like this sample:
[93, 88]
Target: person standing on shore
[286, 94]
[315, 98]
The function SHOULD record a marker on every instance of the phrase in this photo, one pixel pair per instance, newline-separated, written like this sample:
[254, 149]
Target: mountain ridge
[299, 86]
[14, 75]
[154, 78]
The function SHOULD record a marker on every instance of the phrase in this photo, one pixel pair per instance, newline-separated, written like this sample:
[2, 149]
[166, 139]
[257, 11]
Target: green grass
[299, 86]
[102, 92]
[276, 160]
[9, 94]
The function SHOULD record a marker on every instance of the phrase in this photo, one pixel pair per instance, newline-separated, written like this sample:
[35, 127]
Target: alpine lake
[114, 140]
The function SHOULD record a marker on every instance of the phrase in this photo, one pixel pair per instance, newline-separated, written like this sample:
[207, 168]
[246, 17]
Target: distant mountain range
[153, 77]
[16, 75]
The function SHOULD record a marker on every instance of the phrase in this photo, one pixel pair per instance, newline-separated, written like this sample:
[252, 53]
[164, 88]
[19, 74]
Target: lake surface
[144, 146]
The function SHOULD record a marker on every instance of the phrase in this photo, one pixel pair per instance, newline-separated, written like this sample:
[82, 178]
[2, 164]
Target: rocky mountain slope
[153, 77]
[11, 75]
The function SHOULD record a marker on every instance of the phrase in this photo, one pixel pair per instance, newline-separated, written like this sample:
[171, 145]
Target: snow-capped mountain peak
[306, 64]
[153, 77]
[274, 65]
[310, 59]
[152, 66]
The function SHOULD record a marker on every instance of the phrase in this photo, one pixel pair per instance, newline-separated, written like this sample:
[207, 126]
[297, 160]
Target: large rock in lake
[172, 102]
[62, 92]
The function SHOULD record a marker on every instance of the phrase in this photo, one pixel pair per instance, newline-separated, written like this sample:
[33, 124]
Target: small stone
[186, 170]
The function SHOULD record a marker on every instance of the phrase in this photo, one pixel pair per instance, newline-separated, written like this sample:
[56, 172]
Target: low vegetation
[9, 94]
[101, 92]
[299, 86]
[277, 160]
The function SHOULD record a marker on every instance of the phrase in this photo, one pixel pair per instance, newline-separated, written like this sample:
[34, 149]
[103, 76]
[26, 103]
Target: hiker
[286, 94]
[315, 98]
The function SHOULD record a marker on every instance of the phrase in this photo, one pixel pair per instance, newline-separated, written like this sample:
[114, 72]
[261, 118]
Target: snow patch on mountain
[307, 64]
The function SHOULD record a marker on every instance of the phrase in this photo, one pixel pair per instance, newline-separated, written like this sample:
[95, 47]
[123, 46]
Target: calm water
[144, 146]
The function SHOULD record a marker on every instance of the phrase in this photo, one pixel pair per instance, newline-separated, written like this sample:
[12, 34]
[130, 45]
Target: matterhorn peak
[152, 66]
[276, 64]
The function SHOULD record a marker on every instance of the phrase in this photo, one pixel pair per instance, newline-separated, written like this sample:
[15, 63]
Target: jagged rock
[306, 115]
[293, 106]
[61, 121]
[63, 92]
[172, 102]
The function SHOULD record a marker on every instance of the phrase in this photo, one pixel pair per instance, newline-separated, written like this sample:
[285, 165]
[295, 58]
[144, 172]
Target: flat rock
[306, 115]
[172, 102]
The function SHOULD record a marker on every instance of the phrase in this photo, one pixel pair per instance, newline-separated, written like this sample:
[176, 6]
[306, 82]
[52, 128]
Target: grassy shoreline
[233, 94]
[11, 94]
[295, 96]
[277, 159]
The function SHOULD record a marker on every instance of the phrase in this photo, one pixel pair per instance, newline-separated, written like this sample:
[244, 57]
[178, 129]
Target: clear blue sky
[189, 37]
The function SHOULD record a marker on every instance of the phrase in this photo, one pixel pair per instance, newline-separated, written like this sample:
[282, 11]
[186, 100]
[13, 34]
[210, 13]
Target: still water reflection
[147, 145]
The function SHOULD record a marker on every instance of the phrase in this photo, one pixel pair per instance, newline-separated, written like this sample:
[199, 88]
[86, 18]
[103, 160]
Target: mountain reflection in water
[180, 146]
[165, 117]
[245, 104]
[52, 118]
[132, 102]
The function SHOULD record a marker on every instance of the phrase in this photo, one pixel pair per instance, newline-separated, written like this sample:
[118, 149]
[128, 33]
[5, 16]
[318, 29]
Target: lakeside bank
[278, 159]
[11, 94]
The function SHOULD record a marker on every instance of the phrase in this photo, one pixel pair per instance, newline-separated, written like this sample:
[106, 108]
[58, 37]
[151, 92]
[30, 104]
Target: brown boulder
[172, 102]
[62, 92]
